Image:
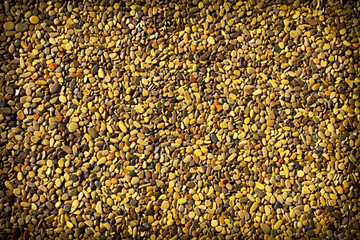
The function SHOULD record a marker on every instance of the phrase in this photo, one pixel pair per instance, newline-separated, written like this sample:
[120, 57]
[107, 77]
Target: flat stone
[10, 33]
[94, 70]
[139, 109]
[251, 70]
[67, 207]
[259, 192]
[55, 87]
[134, 202]
[67, 149]
[205, 56]
[72, 84]
[277, 49]
[214, 223]
[8, 26]
[214, 138]
[34, 19]
[92, 132]
[266, 228]
[49, 205]
[190, 184]
[165, 205]
[278, 224]
[135, 180]
[311, 21]
[98, 207]
[21, 27]
[211, 40]
[73, 126]
[101, 73]
[182, 200]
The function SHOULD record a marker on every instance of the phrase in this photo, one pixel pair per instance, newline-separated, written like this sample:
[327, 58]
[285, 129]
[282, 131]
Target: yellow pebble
[170, 222]
[182, 200]
[34, 19]
[172, 176]
[278, 224]
[211, 40]
[62, 99]
[198, 152]
[218, 228]
[165, 205]
[214, 223]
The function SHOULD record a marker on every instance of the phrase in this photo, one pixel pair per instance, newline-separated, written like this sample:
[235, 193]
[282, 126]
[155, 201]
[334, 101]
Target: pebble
[251, 70]
[254, 206]
[278, 224]
[135, 180]
[139, 109]
[101, 73]
[99, 208]
[67, 208]
[214, 223]
[55, 87]
[73, 126]
[34, 19]
[170, 222]
[21, 27]
[100, 161]
[214, 138]
[9, 26]
[122, 127]
[165, 205]
[182, 200]
[266, 228]
[211, 40]
[92, 132]
[205, 56]
[58, 183]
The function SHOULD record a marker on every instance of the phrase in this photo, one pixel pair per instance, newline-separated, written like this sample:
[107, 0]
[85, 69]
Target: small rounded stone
[21, 27]
[135, 180]
[73, 126]
[8, 26]
[34, 19]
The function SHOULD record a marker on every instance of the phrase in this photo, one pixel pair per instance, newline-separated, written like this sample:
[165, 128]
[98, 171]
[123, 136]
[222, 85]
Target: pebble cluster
[179, 120]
